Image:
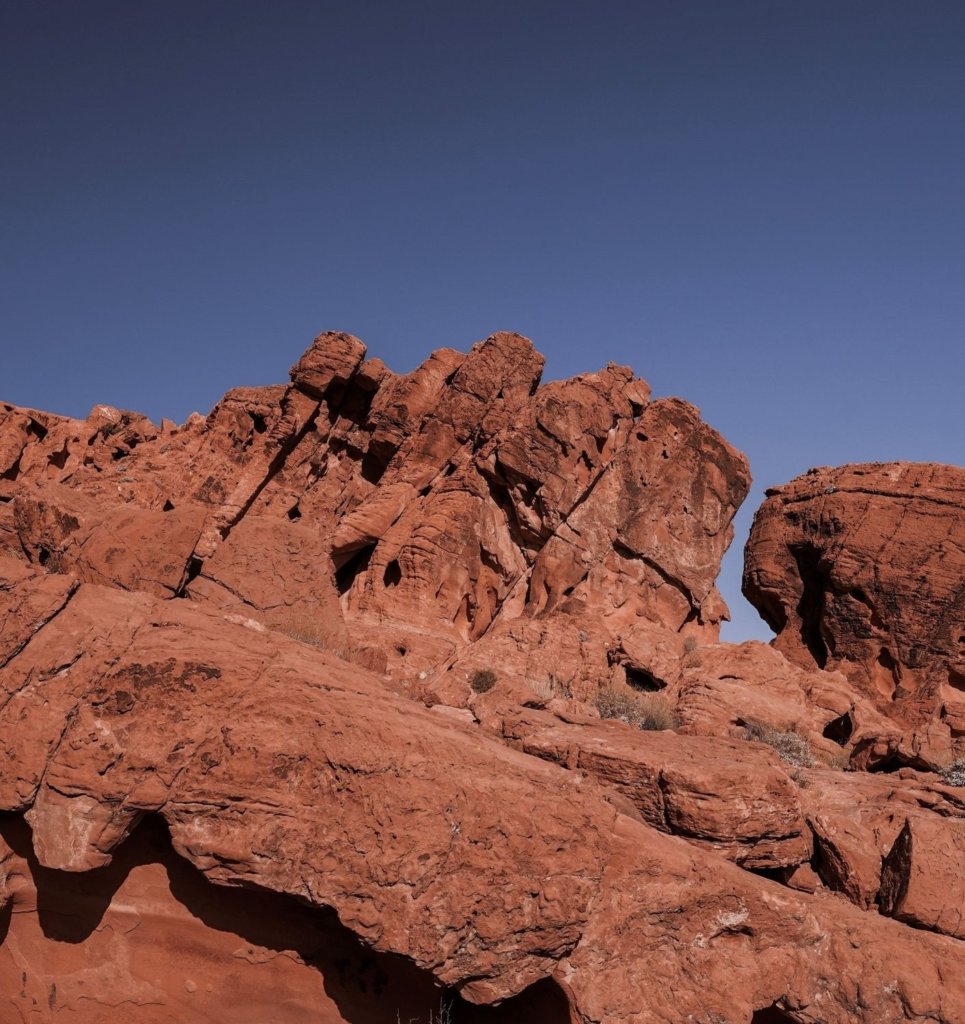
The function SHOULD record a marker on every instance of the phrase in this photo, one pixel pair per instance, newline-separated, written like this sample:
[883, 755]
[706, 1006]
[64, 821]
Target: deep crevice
[58, 459]
[503, 500]
[645, 682]
[191, 572]
[38, 430]
[393, 574]
[376, 460]
[13, 472]
[815, 580]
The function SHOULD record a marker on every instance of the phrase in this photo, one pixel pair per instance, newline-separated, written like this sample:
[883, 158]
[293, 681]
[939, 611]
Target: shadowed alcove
[151, 933]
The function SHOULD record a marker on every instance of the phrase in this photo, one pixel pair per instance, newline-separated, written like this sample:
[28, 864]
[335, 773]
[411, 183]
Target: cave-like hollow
[149, 940]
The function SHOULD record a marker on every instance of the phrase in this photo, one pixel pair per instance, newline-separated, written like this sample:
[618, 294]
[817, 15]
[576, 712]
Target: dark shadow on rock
[368, 987]
[6, 912]
[364, 984]
[772, 1014]
[69, 905]
[541, 1003]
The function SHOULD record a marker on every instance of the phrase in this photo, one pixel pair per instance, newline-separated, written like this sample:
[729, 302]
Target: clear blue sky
[759, 206]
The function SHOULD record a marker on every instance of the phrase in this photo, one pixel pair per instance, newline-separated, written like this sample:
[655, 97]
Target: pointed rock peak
[504, 364]
[372, 374]
[332, 357]
[638, 392]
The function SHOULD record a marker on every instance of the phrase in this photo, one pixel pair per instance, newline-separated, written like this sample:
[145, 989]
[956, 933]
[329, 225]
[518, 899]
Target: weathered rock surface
[924, 875]
[861, 569]
[300, 712]
[284, 770]
[148, 939]
[856, 818]
[733, 798]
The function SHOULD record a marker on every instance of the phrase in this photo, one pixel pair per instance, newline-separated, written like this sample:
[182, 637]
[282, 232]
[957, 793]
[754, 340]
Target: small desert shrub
[644, 710]
[691, 658]
[444, 1016]
[482, 680]
[790, 745]
[954, 774]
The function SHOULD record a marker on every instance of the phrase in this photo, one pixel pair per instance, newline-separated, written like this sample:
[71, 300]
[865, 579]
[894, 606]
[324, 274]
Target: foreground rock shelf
[373, 697]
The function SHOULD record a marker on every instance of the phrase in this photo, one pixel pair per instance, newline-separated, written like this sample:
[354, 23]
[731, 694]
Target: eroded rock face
[449, 502]
[148, 939]
[924, 875]
[300, 716]
[732, 798]
[284, 770]
[860, 569]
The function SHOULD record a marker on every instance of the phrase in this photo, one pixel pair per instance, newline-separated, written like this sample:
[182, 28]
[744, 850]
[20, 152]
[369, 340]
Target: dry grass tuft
[644, 710]
[841, 761]
[790, 745]
[550, 688]
[954, 774]
[444, 1016]
[307, 628]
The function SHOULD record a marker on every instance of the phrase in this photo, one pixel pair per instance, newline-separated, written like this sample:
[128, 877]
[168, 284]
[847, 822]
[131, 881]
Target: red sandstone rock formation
[861, 569]
[251, 767]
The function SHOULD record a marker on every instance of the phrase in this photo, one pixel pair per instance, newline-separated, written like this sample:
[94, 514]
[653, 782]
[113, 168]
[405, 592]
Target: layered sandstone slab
[923, 882]
[282, 770]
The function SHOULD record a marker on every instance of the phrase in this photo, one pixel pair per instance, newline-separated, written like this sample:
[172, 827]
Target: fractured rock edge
[372, 462]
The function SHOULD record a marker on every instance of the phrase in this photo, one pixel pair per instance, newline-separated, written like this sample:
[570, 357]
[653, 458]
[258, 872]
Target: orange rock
[280, 769]
[923, 881]
[218, 640]
[860, 569]
[732, 797]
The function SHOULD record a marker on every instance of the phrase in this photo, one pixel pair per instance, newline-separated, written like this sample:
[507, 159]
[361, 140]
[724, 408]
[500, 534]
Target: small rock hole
[393, 574]
[643, 681]
[839, 730]
[350, 571]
